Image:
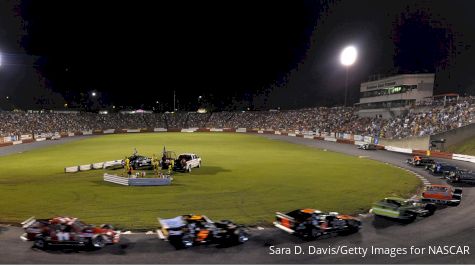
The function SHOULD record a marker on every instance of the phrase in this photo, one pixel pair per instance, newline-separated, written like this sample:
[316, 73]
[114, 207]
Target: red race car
[442, 194]
[68, 231]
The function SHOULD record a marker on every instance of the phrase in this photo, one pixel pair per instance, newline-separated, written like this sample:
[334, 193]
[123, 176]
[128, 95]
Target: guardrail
[94, 166]
[116, 179]
[154, 181]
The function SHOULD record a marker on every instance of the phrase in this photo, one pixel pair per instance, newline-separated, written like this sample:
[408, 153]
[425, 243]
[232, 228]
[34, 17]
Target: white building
[393, 95]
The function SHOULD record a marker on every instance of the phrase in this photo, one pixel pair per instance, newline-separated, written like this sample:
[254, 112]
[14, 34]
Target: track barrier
[137, 181]
[71, 169]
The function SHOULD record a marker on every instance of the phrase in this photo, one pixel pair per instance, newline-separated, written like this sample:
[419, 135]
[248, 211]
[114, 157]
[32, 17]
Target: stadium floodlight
[93, 93]
[348, 56]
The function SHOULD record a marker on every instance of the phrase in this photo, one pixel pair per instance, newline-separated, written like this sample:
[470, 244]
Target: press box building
[394, 95]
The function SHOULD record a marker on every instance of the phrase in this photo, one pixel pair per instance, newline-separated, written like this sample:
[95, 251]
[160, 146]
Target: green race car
[402, 209]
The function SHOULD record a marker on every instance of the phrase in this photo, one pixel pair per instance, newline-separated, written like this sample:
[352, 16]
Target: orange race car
[419, 161]
[312, 223]
[442, 194]
[189, 230]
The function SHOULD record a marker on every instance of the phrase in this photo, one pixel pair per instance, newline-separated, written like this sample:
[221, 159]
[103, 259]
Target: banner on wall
[368, 139]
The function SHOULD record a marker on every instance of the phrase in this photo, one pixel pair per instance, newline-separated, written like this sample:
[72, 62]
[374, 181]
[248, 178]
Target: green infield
[245, 178]
[467, 147]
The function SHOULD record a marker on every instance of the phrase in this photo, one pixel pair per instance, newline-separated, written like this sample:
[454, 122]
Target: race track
[452, 226]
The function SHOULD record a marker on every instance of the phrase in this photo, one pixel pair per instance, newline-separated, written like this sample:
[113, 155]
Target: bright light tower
[0, 59]
[347, 58]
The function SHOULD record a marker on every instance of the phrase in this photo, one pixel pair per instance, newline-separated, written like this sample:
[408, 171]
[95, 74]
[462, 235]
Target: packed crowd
[420, 120]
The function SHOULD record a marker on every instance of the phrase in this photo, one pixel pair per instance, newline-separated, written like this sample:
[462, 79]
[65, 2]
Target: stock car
[367, 147]
[442, 194]
[402, 209]
[461, 176]
[420, 161]
[139, 162]
[440, 168]
[189, 230]
[187, 161]
[67, 231]
[56, 136]
[312, 223]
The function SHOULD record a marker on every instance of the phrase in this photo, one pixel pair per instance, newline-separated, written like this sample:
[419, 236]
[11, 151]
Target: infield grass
[245, 178]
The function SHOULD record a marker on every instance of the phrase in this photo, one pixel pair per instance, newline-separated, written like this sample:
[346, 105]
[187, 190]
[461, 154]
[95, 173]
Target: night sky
[235, 54]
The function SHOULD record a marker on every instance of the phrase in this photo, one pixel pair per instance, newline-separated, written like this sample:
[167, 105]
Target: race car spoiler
[167, 225]
[28, 222]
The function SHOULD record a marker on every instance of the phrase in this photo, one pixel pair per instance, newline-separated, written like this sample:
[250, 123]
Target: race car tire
[242, 237]
[315, 233]
[431, 208]
[98, 241]
[411, 218]
[353, 227]
[40, 242]
[454, 204]
[186, 241]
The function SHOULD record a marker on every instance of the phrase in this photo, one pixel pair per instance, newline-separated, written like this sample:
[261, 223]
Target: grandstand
[422, 119]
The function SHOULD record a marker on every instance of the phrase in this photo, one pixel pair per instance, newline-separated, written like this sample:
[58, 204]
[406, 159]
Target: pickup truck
[187, 161]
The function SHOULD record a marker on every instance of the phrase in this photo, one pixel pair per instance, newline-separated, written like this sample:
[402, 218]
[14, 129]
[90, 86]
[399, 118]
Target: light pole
[347, 58]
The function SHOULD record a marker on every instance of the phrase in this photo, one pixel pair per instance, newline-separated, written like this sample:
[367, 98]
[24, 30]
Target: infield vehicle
[167, 158]
[367, 147]
[67, 231]
[189, 230]
[461, 176]
[139, 162]
[402, 209]
[442, 194]
[420, 161]
[440, 168]
[187, 161]
[312, 223]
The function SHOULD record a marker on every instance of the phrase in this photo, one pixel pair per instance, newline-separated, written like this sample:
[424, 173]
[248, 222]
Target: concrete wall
[384, 112]
[421, 143]
[455, 136]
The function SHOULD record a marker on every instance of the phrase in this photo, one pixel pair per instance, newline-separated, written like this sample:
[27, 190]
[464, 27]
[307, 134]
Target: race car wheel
[187, 241]
[40, 243]
[242, 237]
[98, 242]
[411, 217]
[315, 233]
